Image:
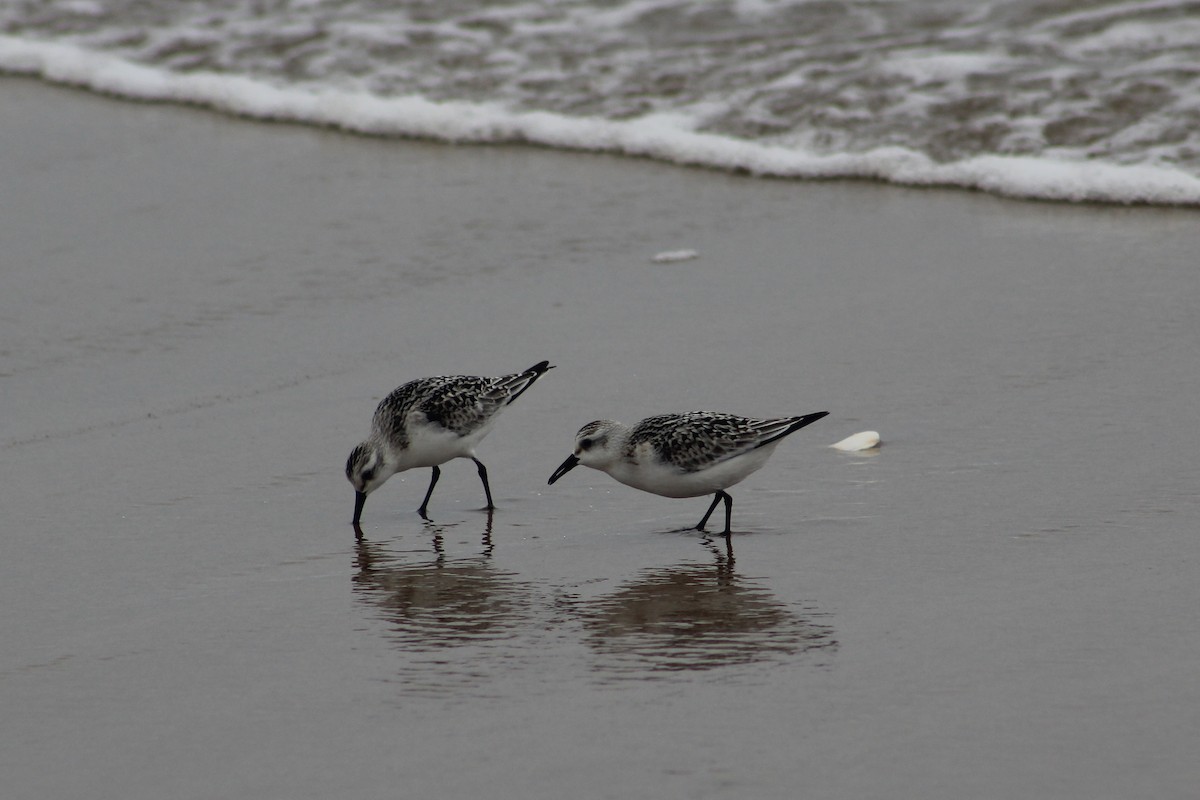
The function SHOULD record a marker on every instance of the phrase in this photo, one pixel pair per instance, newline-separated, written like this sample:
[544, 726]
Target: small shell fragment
[671, 256]
[859, 441]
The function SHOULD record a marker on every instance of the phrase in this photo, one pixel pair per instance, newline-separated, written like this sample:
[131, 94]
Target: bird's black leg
[707, 514]
[437, 473]
[487, 490]
[718, 497]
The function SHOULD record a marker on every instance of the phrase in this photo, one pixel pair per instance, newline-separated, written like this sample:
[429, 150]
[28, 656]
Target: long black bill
[571, 463]
[360, 499]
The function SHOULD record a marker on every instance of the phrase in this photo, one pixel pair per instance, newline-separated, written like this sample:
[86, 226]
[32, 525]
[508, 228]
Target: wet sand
[199, 314]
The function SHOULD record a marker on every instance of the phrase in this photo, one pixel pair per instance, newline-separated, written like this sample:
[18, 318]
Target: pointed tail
[517, 384]
[794, 424]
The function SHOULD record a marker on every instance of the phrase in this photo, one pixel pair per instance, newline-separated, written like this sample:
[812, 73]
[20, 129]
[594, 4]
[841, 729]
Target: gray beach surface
[199, 315]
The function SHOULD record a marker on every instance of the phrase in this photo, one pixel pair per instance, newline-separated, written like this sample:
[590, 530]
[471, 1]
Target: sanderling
[429, 421]
[682, 455]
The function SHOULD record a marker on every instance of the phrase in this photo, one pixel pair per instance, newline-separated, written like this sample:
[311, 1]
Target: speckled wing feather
[479, 401]
[697, 440]
[459, 403]
[424, 395]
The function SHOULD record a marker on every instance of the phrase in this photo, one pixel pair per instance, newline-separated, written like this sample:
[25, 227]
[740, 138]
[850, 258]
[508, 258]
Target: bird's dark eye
[368, 475]
[586, 444]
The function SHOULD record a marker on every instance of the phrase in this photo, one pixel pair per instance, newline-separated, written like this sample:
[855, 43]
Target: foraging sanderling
[430, 421]
[682, 455]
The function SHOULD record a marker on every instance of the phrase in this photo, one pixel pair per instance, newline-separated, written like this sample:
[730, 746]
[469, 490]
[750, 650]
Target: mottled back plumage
[698, 439]
[459, 403]
[452, 401]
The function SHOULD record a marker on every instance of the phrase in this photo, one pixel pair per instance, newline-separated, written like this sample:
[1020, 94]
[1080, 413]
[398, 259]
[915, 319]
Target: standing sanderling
[682, 455]
[429, 421]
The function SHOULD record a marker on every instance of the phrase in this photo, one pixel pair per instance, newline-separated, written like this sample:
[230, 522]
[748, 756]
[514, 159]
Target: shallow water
[203, 313]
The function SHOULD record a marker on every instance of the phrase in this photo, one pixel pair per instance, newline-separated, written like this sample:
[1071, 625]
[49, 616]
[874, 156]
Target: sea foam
[668, 136]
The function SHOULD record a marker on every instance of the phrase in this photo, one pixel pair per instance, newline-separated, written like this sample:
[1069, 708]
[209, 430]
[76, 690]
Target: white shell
[675, 255]
[859, 441]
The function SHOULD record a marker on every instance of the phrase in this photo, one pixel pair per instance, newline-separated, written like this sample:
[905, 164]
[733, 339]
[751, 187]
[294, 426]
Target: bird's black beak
[571, 463]
[360, 498]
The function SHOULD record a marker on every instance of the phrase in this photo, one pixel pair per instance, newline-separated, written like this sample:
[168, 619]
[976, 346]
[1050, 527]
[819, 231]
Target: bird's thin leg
[707, 514]
[487, 490]
[437, 473]
[728, 510]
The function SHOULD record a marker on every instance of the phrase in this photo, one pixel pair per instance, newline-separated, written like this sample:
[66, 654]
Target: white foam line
[664, 137]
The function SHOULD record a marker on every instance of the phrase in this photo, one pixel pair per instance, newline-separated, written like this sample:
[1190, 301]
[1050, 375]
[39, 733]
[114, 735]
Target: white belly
[668, 481]
[431, 445]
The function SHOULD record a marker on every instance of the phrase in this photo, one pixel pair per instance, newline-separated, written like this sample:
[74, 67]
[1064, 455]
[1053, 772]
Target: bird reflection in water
[696, 617]
[454, 617]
